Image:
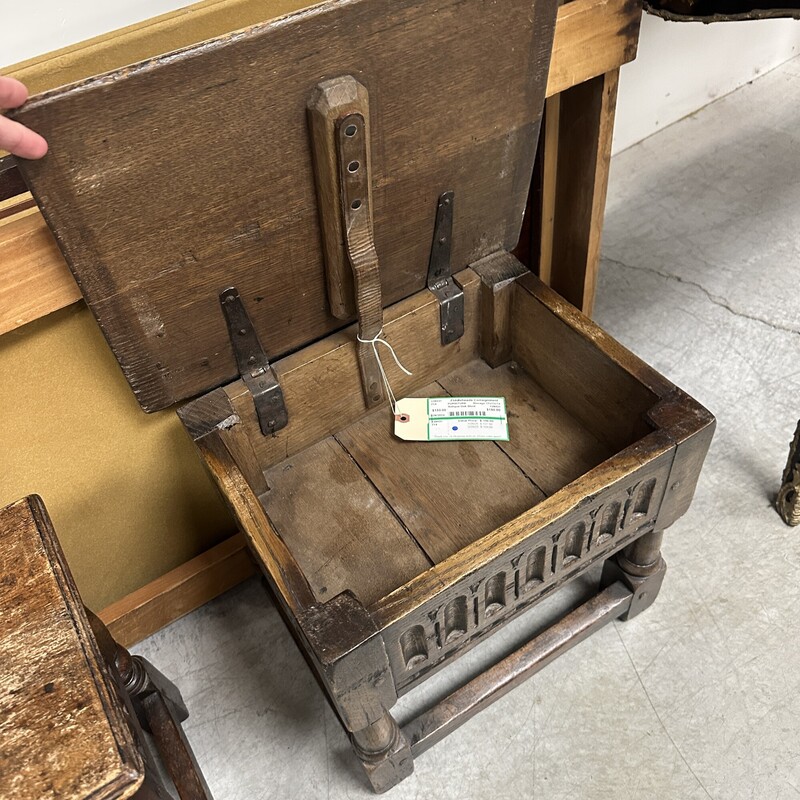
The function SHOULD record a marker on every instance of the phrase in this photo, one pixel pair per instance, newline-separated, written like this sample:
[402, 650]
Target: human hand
[14, 137]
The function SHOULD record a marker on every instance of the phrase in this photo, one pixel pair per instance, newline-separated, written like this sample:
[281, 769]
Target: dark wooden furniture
[592, 39]
[373, 162]
[74, 704]
[788, 499]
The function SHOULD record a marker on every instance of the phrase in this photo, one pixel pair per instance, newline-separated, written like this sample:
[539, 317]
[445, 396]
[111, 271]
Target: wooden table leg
[572, 176]
[160, 709]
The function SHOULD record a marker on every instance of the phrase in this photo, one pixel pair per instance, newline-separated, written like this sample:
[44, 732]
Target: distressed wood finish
[518, 564]
[245, 219]
[348, 537]
[447, 495]
[497, 273]
[329, 369]
[616, 448]
[73, 702]
[449, 541]
[457, 708]
[62, 723]
[546, 442]
[331, 101]
[592, 37]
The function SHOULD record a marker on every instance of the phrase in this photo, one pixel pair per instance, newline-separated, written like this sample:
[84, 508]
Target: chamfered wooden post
[575, 158]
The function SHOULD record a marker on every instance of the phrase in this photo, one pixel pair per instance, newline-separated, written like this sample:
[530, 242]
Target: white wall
[31, 27]
[680, 67]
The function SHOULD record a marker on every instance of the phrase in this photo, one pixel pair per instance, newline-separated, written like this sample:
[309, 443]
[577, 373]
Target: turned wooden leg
[384, 752]
[641, 568]
[788, 501]
[349, 656]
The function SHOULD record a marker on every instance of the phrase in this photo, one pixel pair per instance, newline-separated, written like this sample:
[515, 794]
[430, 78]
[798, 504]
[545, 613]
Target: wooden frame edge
[179, 592]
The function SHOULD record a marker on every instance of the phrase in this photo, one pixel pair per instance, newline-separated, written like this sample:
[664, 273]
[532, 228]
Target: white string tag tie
[375, 341]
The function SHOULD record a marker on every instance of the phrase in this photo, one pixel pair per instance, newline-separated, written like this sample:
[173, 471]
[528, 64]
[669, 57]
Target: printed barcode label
[420, 419]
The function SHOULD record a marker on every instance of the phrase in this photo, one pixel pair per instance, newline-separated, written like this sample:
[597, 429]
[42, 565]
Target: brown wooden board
[172, 179]
[62, 724]
[545, 441]
[448, 494]
[338, 527]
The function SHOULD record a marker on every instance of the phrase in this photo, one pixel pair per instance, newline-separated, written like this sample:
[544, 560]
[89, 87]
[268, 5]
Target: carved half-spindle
[609, 519]
[495, 594]
[414, 646]
[574, 543]
[536, 565]
[455, 619]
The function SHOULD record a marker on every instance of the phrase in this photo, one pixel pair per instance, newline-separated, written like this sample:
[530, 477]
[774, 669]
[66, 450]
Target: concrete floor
[700, 696]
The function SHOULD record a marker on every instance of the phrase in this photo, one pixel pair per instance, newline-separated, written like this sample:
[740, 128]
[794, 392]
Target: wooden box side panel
[196, 172]
[540, 558]
[596, 379]
[62, 721]
[322, 386]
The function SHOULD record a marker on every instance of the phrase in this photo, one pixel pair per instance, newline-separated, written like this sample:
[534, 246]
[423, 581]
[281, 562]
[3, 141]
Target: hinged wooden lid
[175, 178]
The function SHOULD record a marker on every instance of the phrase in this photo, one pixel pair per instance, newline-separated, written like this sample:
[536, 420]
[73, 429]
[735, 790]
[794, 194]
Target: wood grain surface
[447, 494]
[179, 591]
[549, 445]
[62, 728]
[321, 383]
[592, 37]
[34, 279]
[196, 172]
[338, 527]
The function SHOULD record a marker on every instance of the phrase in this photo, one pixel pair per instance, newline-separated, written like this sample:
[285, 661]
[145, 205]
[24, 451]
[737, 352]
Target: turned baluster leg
[384, 752]
[788, 502]
[641, 568]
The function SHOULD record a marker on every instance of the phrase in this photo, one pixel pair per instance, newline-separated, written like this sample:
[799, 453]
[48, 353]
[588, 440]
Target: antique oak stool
[252, 219]
[74, 704]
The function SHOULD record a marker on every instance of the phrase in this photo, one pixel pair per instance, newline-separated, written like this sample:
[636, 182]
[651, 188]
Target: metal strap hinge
[253, 364]
[440, 281]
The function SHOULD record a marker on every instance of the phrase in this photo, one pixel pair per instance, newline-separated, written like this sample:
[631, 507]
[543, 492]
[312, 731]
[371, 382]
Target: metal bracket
[440, 281]
[253, 364]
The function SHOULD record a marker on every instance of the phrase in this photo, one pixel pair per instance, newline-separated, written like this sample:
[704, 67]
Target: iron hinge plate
[253, 364]
[440, 280]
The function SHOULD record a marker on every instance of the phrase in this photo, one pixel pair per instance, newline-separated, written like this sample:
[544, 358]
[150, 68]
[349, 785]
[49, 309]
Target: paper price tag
[438, 419]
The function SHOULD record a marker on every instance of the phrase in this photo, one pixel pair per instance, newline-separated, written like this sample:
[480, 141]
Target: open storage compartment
[441, 542]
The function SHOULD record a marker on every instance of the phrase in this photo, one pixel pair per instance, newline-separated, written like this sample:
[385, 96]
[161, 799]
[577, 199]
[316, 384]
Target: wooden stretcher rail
[433, 725]
[592, 38]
